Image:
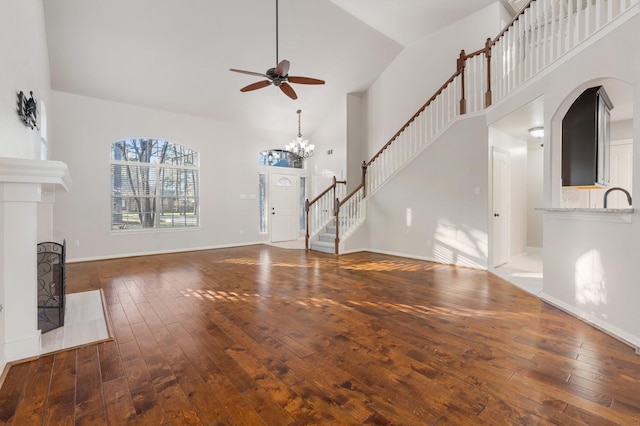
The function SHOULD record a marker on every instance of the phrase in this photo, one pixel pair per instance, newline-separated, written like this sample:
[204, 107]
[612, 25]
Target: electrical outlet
[76, 243]
[242, 232]
[428, 243]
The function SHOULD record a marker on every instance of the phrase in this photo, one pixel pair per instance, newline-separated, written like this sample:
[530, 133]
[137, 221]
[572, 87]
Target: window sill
[154, 230]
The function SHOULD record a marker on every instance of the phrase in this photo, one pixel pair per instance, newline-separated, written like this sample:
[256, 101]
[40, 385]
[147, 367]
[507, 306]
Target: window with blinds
[154, 185]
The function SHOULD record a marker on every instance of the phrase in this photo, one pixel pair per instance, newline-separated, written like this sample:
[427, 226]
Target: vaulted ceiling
[175, 55]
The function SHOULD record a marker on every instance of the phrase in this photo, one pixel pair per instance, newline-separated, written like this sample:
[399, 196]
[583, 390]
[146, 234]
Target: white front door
[284, 207]
[501, 214]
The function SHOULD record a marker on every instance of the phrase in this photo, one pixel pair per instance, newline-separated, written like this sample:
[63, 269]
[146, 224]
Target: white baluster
[588, 19]
[555, 22]
[570, 25]
[546, 34]
[496, 64]
[610, 12]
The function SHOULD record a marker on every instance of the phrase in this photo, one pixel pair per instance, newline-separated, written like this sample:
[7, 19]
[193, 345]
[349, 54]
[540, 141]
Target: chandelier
[300, 148]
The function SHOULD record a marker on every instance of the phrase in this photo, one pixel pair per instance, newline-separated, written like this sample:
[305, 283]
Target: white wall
[356, 139]
[420, 69]
[535, 179]
[24, 67]
[330, 135]
[83, 130]
[622, 129]
[430, 209]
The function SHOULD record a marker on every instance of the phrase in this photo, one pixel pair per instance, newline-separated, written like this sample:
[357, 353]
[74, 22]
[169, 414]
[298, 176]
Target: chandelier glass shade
[299, 147]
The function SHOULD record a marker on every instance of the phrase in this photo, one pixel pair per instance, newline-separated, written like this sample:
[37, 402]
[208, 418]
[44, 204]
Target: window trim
[159, 180]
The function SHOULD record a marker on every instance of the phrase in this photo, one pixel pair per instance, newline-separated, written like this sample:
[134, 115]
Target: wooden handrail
[323, 193]
[485, 50]
[351, 194]
[412, 119]
[510, 24]
[476, 53]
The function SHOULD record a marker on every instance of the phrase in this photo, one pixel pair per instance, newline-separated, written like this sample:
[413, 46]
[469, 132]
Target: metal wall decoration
[51, 285]
[28, 110]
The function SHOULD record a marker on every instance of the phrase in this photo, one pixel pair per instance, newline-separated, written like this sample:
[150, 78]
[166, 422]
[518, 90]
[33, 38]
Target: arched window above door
[279, 158]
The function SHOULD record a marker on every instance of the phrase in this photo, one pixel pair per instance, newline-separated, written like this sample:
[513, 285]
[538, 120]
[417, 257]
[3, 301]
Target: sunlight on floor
[294, 244]
[523, 271]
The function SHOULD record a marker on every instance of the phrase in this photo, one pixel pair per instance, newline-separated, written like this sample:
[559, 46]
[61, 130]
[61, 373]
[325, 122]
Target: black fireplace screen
[51, 285]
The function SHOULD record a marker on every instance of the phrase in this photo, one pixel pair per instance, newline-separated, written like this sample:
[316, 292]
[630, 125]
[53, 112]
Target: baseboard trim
[168, 251]
[616, 333]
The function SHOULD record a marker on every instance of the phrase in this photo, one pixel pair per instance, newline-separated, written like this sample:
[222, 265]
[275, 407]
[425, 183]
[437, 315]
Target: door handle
[496, 215]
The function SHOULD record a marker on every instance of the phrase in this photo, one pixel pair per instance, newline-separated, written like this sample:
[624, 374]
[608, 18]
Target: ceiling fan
[279, 75]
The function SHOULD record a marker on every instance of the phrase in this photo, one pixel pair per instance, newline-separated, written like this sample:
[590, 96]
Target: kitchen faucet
[617, 188]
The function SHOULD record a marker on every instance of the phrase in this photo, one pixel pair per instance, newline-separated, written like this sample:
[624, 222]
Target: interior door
[501, 178]
[284, 207]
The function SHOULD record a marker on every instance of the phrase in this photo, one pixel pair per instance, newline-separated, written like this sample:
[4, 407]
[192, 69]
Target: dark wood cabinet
[585, 140]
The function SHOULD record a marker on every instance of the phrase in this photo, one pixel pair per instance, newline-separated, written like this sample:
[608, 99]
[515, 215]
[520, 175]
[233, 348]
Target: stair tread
[322, 243]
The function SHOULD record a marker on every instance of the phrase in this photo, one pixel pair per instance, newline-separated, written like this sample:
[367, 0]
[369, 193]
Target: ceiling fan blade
[283, 67]
[304, 80]
[259, 74]
[288, 90]
[257, 85]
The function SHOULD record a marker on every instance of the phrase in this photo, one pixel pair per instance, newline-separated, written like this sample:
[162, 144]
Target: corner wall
[436, 207]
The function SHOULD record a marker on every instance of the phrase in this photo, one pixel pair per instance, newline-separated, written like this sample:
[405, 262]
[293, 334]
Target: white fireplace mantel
[51, 174]
[24, 185]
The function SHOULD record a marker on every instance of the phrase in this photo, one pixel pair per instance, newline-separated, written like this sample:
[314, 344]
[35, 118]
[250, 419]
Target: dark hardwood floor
[261, 335]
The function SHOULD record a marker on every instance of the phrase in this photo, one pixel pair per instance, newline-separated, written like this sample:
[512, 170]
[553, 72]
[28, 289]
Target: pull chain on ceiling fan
[279, 75]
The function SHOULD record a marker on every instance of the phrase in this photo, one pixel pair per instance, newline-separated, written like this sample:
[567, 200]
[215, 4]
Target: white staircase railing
[321, 210]
[541, 33]
[545, 32]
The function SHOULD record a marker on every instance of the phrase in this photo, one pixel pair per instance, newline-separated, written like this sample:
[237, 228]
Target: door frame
[504, 195]
[297, 174]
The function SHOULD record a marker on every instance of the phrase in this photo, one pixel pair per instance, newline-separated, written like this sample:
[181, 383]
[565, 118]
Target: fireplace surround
[27, 194]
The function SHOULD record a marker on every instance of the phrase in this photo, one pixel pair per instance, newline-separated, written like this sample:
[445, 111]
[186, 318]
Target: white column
[24, 184]
[19, 272]
[45, 216]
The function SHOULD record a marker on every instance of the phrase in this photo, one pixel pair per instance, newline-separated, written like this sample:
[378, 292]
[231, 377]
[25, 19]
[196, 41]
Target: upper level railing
[538, 35]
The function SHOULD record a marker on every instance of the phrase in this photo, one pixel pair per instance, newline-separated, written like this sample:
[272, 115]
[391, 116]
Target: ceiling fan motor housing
[275, 78]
